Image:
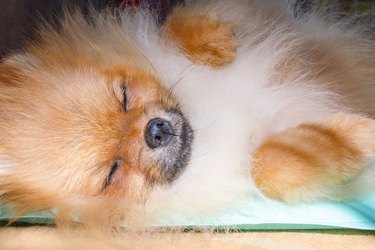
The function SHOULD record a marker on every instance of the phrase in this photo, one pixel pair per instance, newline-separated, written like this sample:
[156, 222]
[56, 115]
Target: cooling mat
[260, 214]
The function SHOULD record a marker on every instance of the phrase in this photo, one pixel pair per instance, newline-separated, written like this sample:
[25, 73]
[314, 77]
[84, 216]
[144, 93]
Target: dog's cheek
[130, 179]
[129, 185]
[140, 166]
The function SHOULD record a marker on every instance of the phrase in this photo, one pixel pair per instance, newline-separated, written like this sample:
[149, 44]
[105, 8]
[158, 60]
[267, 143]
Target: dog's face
[71, 125]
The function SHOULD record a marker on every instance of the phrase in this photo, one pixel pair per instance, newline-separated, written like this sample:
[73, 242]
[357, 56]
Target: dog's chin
[181, 159]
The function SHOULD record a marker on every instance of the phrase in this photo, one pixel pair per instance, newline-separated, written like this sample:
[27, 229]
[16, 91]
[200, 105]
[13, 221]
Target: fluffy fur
[288, 118]
[311, 73]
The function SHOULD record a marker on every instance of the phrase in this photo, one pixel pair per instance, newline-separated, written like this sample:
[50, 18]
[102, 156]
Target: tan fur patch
[201, 36]
[312, 159]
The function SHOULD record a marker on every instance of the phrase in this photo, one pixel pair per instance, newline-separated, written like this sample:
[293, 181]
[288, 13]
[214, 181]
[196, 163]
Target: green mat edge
[220, 228]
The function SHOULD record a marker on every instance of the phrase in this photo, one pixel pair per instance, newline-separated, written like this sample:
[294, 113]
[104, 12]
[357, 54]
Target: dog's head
[74, 122]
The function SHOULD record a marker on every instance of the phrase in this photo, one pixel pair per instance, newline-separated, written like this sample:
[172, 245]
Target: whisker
[179, 78]
[168, 133]
[204, 128]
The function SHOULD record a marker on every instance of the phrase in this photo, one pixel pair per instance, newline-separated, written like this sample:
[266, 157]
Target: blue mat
[264, 215]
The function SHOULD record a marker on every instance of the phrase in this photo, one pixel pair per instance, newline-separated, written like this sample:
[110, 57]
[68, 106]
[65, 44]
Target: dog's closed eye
[111, 173]
[125, 104]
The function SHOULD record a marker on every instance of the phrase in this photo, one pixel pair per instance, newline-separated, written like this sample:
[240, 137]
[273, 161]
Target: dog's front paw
[202, 37]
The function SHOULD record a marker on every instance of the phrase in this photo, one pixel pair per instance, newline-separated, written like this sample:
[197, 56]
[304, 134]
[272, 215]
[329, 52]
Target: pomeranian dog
[225, 100]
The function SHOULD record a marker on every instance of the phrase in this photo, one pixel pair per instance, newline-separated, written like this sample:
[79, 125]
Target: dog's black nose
[159, 133]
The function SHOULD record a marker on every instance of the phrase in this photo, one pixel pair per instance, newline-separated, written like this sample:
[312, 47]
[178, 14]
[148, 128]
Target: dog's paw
[314, 161]
[202, 37]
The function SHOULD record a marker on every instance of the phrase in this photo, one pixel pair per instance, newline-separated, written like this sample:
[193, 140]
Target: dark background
[19, 18]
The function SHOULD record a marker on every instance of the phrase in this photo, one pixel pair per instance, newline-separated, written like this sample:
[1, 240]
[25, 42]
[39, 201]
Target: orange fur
[313, 159]
[201, 36]
[62, 122]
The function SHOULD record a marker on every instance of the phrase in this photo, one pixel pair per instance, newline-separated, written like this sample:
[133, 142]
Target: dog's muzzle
[169, 137]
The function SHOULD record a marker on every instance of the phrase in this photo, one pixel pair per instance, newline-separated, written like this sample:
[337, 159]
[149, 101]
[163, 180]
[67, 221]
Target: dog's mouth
[169, 138]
